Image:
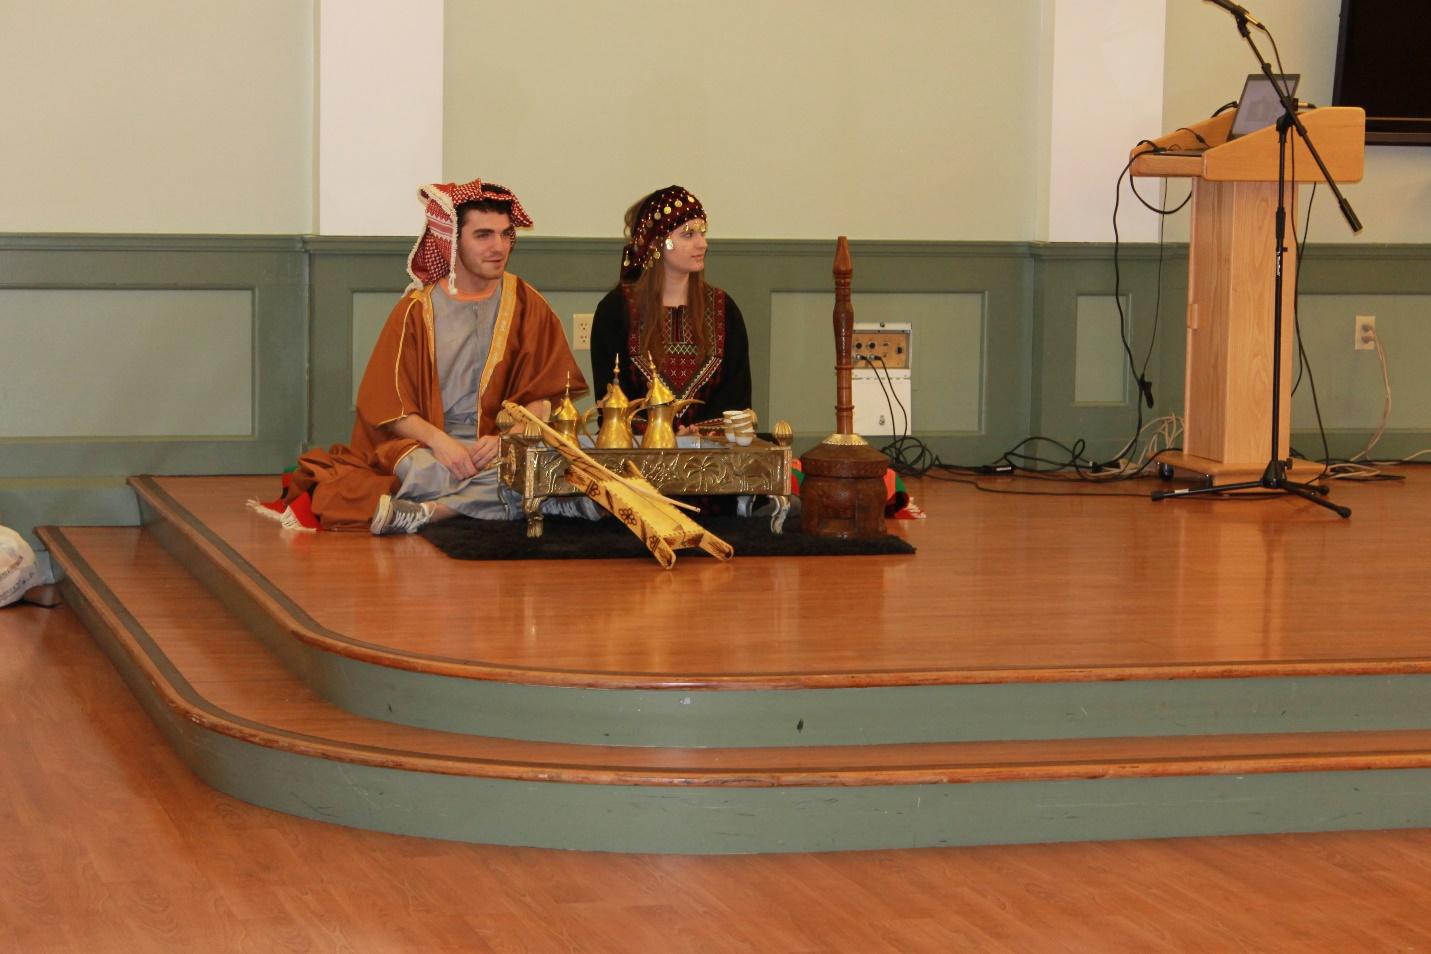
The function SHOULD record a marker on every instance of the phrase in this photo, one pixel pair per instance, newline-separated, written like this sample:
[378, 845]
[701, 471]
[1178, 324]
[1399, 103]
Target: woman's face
[684, 250]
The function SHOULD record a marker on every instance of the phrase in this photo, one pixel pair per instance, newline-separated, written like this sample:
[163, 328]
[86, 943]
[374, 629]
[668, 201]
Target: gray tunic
[464, 338]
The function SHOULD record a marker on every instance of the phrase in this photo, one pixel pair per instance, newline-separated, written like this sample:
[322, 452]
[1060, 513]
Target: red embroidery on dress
[683, 369]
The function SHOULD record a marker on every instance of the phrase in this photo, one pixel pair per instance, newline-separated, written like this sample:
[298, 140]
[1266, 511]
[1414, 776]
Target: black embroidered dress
[721, 381]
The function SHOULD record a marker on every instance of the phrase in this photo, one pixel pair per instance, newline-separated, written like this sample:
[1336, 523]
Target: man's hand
[461, 460]
[454, 455]
[484, 451]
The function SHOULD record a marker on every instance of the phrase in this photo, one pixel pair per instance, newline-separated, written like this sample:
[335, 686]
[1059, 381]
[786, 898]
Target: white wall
[156, 116]
[1105, 95]
[790, 119]
[1207, 61]
[379, 114]
[915, 119]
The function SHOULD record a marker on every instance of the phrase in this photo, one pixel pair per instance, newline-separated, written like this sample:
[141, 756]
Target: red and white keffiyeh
[434, 255]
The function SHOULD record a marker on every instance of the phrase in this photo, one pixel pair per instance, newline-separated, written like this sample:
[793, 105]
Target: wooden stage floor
[1003, 588]
[1067, 666]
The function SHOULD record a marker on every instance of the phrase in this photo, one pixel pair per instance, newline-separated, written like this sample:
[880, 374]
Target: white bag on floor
[19, 570]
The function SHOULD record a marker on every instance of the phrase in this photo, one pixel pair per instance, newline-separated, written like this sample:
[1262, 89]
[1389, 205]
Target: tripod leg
[1315, 495]
[1315, 488]
[1307, 491]
[1275, 478]
[1209, 489]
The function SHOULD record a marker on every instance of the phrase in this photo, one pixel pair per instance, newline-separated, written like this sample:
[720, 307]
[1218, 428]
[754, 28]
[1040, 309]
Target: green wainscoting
[122, 354]
[228, 354]
[349, 278]
[237, 307]
[1074, 287]
[113, 387]
[983, 334]
[1100, 371]
[947, 358]
[1351, 394]
[1337, 283]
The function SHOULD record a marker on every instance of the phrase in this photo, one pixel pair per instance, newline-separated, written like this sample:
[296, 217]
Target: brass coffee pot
[661, 409]
[565, 420]
[616, 410]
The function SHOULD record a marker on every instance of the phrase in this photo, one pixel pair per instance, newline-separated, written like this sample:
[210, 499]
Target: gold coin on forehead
[678, 203]
[658, 215]
[667, 210]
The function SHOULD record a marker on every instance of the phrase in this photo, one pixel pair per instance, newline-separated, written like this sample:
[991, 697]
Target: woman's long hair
[647, 292]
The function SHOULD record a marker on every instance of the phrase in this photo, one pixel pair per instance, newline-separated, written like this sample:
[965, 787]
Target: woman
[693, 332]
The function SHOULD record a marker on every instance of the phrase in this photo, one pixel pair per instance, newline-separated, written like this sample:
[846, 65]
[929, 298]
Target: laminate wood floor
[108, 843]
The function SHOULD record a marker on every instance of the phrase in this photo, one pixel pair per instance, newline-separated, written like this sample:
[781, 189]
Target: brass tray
[710, 468]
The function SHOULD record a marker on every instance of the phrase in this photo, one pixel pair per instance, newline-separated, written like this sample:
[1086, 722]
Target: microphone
[1239, 12]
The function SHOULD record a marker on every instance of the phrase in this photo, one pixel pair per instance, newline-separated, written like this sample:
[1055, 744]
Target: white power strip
[872, 407]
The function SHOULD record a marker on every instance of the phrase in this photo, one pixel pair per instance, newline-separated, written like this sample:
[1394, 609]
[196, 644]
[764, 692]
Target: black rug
[565, 538]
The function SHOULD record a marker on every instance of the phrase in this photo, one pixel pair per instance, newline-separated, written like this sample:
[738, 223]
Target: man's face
[483, 246]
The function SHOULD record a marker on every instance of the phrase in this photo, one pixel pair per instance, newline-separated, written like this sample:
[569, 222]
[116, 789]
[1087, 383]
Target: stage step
[246, 725]
[373, 676]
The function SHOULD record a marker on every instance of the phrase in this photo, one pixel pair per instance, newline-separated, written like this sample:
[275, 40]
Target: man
[465, 337]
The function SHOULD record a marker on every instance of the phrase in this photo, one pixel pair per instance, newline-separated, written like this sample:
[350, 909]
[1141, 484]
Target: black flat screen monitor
[1382, 55]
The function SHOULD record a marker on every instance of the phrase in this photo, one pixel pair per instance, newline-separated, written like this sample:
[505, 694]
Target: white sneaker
[399, 516]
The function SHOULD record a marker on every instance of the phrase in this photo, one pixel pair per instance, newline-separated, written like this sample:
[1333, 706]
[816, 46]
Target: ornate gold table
[711, 467]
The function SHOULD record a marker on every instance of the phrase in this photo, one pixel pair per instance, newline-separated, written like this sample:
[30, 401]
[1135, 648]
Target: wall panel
[947, 380]
[132, 363]
[150, 354]
[1350, 392]
[1100, 371]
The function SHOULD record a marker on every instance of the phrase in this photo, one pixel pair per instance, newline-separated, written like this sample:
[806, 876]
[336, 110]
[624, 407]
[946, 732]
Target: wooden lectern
[1227, 416]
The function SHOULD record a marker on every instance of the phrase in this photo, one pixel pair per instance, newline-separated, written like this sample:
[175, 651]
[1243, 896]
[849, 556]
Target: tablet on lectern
[1259, 106]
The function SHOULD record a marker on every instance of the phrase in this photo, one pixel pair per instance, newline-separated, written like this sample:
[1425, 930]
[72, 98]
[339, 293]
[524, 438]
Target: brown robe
[529, 361]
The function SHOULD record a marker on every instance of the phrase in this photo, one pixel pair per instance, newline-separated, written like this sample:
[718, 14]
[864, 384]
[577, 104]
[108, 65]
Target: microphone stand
[1274, 477]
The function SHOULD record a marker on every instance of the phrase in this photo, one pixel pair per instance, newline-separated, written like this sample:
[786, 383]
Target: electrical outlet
[1365, 333]
[581, 332]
